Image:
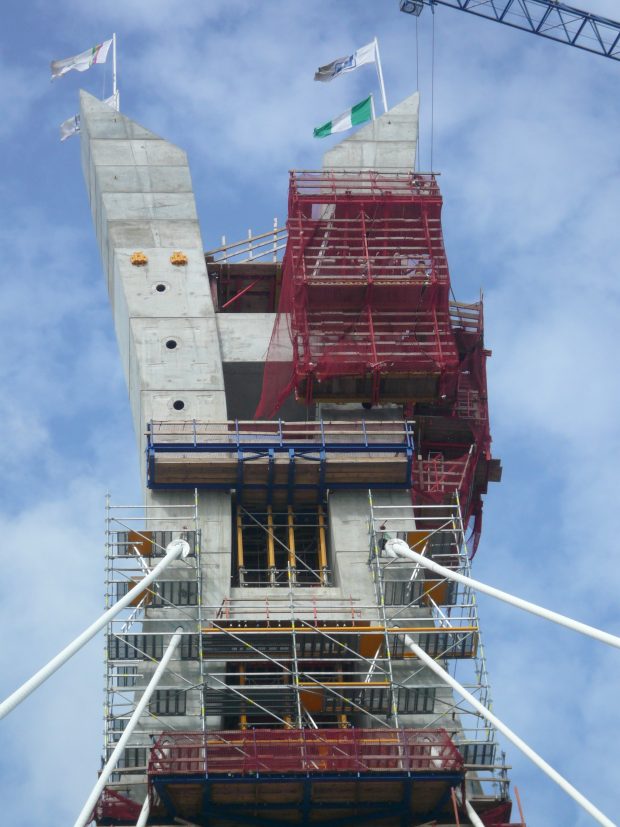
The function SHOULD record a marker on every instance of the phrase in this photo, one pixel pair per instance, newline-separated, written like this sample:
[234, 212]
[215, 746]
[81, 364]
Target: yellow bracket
[139, 259]
[178, 258]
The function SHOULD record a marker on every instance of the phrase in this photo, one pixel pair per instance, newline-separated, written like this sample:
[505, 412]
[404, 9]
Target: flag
[366, 54]
[69, 127]
[360, 113]
[83, 61]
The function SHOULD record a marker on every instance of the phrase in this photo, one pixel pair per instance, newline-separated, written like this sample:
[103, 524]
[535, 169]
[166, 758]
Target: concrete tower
[293, 698]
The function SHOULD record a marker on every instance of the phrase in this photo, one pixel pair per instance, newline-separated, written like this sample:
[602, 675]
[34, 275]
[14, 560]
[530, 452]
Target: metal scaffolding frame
[297, 660]
[406, 590]
[136, 537]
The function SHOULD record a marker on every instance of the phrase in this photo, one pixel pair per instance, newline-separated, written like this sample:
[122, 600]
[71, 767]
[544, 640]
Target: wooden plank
[349, 469]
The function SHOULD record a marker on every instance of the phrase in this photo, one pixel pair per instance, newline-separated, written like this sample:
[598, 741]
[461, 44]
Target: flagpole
[114, 89]
[380, 73]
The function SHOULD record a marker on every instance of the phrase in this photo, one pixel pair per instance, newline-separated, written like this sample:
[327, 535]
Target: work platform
[318, 640]
[330, 777]
[288, 461]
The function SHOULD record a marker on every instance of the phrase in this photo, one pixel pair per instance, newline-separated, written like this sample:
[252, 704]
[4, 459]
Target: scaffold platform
[290, 461]
[300, 776]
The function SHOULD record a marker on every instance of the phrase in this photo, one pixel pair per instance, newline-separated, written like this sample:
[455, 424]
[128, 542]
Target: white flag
[69, 127]
[367, 54]
[83, 61]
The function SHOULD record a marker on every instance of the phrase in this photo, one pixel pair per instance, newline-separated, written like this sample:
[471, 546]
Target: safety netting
[364, 305]
[365, 315]
[461, 465]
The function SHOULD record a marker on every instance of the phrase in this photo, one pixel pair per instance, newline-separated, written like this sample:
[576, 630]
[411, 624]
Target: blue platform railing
[320, 446]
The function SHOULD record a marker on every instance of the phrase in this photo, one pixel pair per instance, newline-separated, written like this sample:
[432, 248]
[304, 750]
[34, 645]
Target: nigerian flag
[360, 113]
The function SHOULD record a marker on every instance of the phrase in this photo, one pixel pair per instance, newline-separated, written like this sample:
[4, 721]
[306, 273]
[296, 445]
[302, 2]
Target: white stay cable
[473, 815]
[401, 549]
[174, 550]
[501, 727]
[144, 812]
[87, 810]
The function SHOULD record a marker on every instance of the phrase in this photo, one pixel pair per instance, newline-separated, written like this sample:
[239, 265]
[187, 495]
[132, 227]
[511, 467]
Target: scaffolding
[407, 591]
[245, 275]
[314, 686]
[274, 548]
[136, 538]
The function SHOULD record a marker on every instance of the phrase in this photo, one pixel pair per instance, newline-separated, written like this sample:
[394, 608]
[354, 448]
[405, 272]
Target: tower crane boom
[547, 18]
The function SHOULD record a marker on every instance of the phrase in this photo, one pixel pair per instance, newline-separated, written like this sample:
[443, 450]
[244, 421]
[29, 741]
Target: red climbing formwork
[364, 309]
[115, 808]
[453, 440]
[304, 751]
[305, 777]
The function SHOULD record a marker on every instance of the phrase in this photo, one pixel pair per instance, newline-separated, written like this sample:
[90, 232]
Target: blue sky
[525, 139]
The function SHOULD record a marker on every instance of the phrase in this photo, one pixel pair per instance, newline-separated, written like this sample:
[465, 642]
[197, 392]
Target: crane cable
[432, 87]
[417, 86]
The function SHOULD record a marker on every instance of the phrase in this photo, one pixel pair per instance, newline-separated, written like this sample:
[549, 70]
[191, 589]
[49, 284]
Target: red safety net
[114, 807]
[499, 816]
[365, 293]
[365, 315]
[442, 470]
[307, 751]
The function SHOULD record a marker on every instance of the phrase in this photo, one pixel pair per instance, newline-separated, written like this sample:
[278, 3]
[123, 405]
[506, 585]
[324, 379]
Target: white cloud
[17, 96]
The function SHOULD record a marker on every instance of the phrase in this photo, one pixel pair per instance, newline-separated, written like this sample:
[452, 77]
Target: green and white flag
[83, 61]
[360, 113]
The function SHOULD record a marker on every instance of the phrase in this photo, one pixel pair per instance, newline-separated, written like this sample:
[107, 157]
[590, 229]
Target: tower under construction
[307, 402]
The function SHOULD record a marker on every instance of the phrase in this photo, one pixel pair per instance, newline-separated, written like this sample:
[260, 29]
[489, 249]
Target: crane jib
[546, 18]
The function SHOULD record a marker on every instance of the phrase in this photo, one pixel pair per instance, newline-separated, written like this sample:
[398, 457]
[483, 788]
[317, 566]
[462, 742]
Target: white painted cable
[513, 737]
[84, 817]
[532, 608]
[473, 815]
[144, 812]
[174, 550]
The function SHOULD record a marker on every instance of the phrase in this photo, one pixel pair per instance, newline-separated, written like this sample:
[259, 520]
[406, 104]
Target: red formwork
[442, 469]
[365, 293]
[365, 315]
[115, 808]
[303, 751]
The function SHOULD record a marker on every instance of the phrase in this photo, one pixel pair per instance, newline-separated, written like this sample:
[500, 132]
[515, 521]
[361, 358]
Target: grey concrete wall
[141, 199]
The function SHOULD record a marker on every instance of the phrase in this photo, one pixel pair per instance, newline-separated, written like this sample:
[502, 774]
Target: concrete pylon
[141, 199]
[387, 143]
